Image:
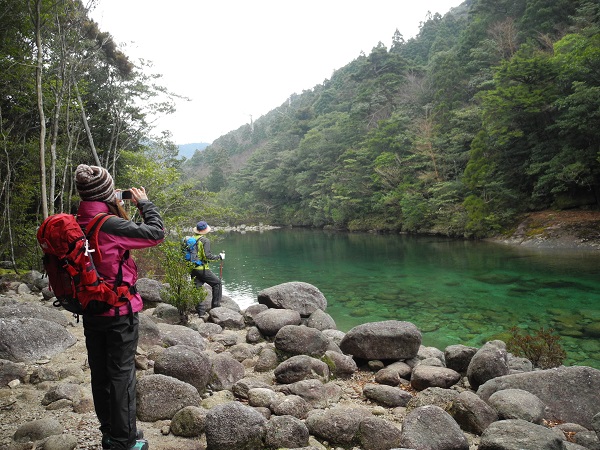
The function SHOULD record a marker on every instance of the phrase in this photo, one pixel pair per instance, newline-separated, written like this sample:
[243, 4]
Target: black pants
[201, 276]
[111, 344]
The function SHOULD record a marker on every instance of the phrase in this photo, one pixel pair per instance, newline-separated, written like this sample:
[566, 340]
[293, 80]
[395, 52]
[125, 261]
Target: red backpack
[69, 255]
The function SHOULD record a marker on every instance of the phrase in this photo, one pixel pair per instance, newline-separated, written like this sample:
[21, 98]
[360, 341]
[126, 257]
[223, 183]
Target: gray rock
[189, 421]
[433, 396]
[167, 313]
[188, 364]
[290, 405]
[252, 311]
[427, 353]
[587, 439]
[317, 394]
[180, 335]
[267, 360]
[227, 318]
[69, 391]
[209, 329]
[296, 295]
[393, 374]
[25, 340]
[516, 434]
[424, 377]
[150, 290]
[29, 310]
[11, 371]
[339, 425]
[60, 442]
[269, 322]
[458, 357]
[242, 387]
[489, 362]
[286, 432]
[570, 393]
[225, 371]
[430, 427]
[389, 339]
[517, 404]
[301, 367]
[389, 396]
[233, 426]
[243, 351]
[301, 340]
[334, 336]
[37, 430]
[340, 365]
[160, 397]
[320, 320]
[262, 397]
[254, 336]
[517, 364]
[148, 332]
[378, 434]
[471, 413]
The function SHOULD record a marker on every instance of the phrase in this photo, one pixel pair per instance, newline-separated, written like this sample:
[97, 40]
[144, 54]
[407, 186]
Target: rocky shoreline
[280, 375]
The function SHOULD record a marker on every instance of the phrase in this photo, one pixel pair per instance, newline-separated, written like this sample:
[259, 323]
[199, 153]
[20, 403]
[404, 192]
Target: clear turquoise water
[454, 291]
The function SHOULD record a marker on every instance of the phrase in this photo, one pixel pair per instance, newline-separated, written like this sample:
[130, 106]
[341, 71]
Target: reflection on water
[456, 292]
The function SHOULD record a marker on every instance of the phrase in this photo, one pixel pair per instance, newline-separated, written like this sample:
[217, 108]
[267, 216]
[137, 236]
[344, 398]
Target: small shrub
[541, 348]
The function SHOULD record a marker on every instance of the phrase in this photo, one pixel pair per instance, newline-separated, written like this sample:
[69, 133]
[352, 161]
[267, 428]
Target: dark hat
[94, 183]
[202, 228]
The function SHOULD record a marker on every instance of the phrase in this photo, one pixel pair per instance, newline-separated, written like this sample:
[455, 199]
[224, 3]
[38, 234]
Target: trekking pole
[221, 268]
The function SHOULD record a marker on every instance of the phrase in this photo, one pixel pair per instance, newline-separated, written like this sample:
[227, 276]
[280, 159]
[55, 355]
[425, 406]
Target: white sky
[240, 58]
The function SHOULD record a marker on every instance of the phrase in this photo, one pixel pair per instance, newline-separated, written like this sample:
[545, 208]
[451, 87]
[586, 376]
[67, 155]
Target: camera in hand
[124, 195]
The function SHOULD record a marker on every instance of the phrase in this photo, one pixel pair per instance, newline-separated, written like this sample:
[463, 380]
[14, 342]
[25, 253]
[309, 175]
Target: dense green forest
[490, 111]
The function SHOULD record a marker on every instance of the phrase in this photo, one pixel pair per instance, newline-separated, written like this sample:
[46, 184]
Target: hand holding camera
[134, 194]
[222, 255]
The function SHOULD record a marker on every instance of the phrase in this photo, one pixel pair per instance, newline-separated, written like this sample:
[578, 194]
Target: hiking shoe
[106, 444]
[201, 310]
[140, 444]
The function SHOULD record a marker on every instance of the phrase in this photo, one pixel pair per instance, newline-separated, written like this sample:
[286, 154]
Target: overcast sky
[240, 58]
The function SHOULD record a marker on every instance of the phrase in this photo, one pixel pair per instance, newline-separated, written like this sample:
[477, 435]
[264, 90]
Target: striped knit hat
[94, 183]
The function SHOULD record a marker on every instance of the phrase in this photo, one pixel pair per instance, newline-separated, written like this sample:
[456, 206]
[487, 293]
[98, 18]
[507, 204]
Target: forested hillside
[491, 111]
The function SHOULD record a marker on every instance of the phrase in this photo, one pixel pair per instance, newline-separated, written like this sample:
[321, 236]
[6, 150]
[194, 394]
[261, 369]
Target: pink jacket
[116, 237]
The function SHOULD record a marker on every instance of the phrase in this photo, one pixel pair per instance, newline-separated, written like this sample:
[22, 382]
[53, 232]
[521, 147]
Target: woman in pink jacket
[111, 338]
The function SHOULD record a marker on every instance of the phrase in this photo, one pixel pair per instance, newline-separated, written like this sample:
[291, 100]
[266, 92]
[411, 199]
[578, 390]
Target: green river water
[454, 291]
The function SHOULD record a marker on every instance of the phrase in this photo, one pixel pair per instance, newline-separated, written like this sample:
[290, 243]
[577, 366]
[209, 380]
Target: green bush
[541, 348]
[181, 291]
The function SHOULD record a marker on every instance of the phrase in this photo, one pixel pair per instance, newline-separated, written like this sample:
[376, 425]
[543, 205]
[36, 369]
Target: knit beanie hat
[94, 183]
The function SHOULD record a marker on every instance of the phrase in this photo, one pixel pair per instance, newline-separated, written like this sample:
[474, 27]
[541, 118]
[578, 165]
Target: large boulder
[270, 321]
[286, 432]
[424, 377]
[569, 393]
[301, 367]
[234, 426]
[27, 340]
[390, 339]
[225, 371]
[338, 425]
[148, 332]
[187, 364]
[180, 335]
[389, 396]
[471, 413]
[301, 340]
[28, 310]
[430, 427]
[517, 404]
[489, 362]
[150, 290]
[379, 434]
[320, 320]
[296, 295]
[519, 434]
[159, 397]
[227, 318]
[317, 394]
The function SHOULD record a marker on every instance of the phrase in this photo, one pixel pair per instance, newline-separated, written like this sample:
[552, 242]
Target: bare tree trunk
[86, 125]
[37, 18]
[6, 189]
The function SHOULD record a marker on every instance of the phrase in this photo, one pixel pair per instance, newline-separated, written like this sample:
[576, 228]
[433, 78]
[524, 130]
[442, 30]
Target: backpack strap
[93, 228]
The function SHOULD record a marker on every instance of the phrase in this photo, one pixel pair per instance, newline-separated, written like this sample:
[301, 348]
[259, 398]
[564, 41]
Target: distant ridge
[188, 150]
